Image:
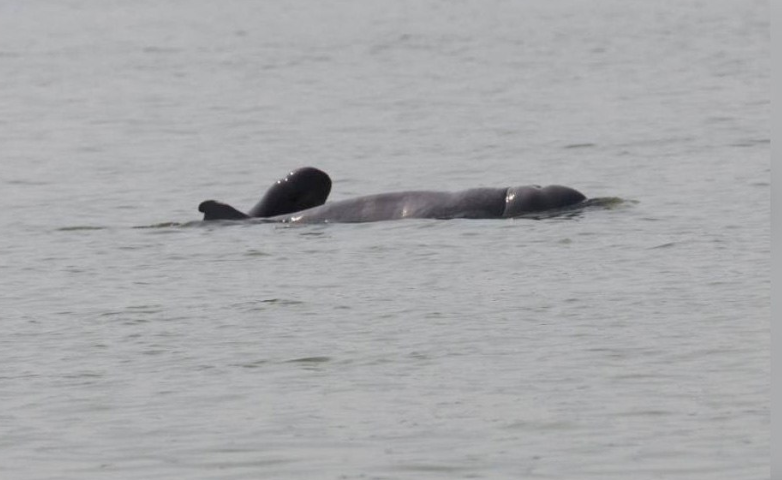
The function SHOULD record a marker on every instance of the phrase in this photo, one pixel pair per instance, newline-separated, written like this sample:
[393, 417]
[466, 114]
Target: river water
[630, 341]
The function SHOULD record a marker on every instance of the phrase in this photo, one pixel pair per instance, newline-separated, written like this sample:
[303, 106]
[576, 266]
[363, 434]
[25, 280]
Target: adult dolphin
[300, 197]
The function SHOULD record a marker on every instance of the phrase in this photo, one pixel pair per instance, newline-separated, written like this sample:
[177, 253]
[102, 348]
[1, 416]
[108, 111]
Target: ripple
[432, 468]
[541, 425]
[751, 142]
[80, 228]
[162, 225]
[309, 360]
[608, 202]
[644, 413]
[574, 211]
[256, 253]
[282, 301]
[134, 310]
[255, 364]
[26, 182]
[155, 49]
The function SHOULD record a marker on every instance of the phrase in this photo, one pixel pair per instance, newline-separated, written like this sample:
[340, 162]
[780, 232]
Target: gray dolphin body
[300, 198]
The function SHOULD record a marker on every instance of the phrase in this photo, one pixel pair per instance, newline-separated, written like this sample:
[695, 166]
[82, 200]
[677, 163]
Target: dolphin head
[533, 198]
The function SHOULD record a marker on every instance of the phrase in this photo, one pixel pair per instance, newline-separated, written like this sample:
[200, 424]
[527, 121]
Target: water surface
[623, 342]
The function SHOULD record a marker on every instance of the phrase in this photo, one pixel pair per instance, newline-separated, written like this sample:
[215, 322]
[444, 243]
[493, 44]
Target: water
[624, 342]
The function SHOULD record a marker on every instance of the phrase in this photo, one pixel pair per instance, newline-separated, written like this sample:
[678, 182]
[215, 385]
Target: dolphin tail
[214, 210]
